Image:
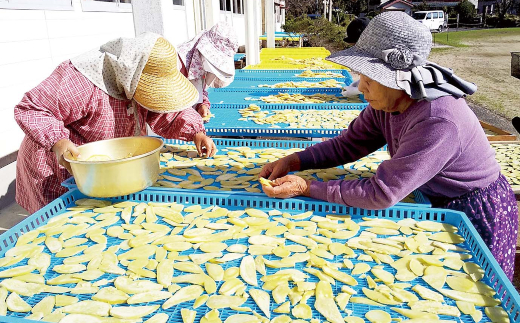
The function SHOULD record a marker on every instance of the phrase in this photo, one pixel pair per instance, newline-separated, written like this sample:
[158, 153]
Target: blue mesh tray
[250, 96]
[225, 121]
[306, 91]
[238, 57]
[494, 276]
[419, 198]
[290, 78]
[283, 73]
[253, 83]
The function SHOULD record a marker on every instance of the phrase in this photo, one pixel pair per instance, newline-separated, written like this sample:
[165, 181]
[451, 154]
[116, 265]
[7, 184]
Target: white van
[434, 19]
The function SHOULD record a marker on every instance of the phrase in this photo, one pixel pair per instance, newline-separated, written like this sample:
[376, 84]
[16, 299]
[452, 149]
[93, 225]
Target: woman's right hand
[60, 148]
[205, 145]
[281, 167]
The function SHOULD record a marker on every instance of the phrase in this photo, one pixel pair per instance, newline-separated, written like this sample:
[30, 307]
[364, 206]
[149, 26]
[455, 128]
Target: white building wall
[176, 28]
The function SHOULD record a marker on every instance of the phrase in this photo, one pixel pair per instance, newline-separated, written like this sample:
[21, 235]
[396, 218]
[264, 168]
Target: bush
[319, 32]
[508, 21]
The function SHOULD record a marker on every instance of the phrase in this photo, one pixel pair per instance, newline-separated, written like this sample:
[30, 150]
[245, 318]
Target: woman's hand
[281, 167]
[288, 186]
[205, 145]
[60, 148]
[203, 110]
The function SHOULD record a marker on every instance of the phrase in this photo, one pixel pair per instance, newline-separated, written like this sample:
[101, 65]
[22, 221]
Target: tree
[503, 7]
[351, 6]
[297, 8]
[423, 6]
[466, 11]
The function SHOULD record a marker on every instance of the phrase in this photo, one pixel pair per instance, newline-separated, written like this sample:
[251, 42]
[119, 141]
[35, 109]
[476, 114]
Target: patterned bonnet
[393, 50]
[217, 46]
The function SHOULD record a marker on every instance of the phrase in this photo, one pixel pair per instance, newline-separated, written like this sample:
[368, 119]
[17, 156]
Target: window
[37, 4]
[107, 5]
[441, 14]
[238, 6]
[222, 5]
[429, 16]
[178, 2]
[435, 15]
[419, 15]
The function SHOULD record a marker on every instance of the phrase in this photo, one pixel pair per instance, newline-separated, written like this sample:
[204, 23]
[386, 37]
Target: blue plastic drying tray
[238, 57]
[226, 123]
[494, 276]
[221, 143]
[239, 95]
[269, 91]
[283, 73]
[253, 83]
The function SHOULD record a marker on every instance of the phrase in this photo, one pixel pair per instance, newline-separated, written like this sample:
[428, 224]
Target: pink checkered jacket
[68, 105]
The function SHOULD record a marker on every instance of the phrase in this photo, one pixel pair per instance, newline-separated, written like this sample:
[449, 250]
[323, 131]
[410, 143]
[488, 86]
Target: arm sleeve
[58, 101]
[362, 137]
[424, 151]
[181, 125]
[205, 100]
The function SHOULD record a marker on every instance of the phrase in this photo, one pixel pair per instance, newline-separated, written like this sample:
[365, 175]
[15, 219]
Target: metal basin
[133, 166]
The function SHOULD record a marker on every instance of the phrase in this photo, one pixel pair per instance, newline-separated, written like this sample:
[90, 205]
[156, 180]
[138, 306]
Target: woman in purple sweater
[435, 141]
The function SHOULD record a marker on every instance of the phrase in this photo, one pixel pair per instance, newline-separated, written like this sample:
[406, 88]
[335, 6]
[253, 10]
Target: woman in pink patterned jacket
[105, 93]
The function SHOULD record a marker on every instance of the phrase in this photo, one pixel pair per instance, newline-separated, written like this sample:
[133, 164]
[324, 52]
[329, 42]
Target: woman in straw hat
[208, 62]
[435, 141]
[114, 91]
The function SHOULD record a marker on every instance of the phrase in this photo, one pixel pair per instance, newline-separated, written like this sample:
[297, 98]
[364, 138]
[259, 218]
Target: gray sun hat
[393, 50]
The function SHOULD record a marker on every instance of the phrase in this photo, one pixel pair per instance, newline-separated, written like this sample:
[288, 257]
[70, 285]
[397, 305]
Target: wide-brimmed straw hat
[393, 50]
[392, 41]
[162, 88]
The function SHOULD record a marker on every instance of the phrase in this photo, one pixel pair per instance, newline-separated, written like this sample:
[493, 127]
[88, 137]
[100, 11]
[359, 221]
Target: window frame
[104, 6]
[62, 5]
[238, 4]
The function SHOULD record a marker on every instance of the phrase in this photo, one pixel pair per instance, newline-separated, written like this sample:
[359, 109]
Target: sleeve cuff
[63, 135]
[319, 190]
[306, 159]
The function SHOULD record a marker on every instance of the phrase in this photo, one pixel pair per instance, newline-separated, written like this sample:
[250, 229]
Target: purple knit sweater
[437, 147]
